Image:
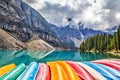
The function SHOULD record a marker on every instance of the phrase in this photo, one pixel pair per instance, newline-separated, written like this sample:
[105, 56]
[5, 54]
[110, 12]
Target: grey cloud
[31, 1]
[58, 9]
[114, 7]
[56, 13]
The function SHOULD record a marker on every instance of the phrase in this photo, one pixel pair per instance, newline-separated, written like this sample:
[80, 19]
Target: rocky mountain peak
[21, 21]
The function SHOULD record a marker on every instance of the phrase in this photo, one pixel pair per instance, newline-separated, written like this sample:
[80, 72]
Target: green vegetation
[102, 42]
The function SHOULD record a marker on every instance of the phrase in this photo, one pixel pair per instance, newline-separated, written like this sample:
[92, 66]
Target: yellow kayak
[60, 70]
[7, 68]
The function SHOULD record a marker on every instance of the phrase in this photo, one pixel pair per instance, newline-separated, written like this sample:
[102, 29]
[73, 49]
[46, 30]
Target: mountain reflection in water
[25, 56]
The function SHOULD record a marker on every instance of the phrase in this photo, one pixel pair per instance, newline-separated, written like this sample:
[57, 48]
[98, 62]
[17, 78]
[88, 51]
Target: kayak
[115, 66]
[102, 60]
[110, 61]
[94, 73]
[60, 70]
[57, 72]
[102, 71]
[13, 74]
[71, 74]
[115, 62]
[63, 70]
[30, 72]
[43, 72]
[82, 73]
[7, 68]
[111, 70]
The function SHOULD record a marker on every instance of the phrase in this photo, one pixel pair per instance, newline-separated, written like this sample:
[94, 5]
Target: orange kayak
[60, 70]
[57, 73]
[7, 68]
[71, 74]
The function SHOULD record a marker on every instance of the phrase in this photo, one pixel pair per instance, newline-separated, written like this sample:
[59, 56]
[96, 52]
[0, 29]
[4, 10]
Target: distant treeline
[102, 42]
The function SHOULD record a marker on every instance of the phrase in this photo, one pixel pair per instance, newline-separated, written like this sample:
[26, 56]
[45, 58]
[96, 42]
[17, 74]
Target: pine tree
[102, 42]
[118, 37]
[116, 48]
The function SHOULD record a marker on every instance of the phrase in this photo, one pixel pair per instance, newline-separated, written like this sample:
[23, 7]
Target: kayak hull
[43, 72]
[101, 70]
[111, 70]
[30, 72]
[60, 70]
[63, 70]
[80, 71]
[96, 75]
[7, 68]
[115, 66]
[13, 74]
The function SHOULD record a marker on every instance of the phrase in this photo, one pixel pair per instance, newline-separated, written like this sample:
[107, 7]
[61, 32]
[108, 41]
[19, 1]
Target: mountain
[7, 41]
[112, 29]
[73, 34]
[39, 45]
[22, 22]
[66, 35]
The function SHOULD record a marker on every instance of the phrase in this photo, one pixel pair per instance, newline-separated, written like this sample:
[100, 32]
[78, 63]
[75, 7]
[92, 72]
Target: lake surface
[24, 56]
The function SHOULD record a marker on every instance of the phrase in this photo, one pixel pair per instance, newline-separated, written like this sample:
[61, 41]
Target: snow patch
[73, 25]
[76, 41]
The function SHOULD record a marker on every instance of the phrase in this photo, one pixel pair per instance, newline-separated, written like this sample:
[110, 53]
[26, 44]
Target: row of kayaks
[63, 70]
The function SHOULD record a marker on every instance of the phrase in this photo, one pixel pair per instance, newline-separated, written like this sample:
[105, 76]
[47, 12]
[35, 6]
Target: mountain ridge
[74, 33]
[22, 22]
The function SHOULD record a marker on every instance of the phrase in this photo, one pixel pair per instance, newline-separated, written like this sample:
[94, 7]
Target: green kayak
[13, 74]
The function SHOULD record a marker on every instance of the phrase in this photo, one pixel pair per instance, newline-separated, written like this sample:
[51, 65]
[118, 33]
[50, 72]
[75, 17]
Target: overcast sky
[97, 14]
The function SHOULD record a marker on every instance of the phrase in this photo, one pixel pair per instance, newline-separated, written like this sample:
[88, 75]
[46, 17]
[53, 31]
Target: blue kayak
[111, 70]
[30, 73]
[102, 71]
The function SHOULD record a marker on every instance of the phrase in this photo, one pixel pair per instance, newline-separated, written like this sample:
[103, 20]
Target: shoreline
[114, 52]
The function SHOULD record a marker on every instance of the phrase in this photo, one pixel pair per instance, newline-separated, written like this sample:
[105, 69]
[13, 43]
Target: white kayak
[93, 72]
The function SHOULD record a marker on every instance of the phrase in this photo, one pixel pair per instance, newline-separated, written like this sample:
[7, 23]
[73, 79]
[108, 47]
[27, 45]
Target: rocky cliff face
[39, 45]
[22, 21]
[9, 42]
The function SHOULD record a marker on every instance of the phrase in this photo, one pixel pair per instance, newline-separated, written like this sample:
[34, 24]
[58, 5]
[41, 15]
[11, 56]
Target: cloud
[31, 1]
[56, 13]
[117, 16]
[97, 14]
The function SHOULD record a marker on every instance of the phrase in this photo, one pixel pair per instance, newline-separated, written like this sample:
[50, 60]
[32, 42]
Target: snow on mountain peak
[73, 25]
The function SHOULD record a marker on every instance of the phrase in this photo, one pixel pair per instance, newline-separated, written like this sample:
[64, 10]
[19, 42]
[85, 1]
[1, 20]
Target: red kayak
[116, 59]
[109, 61]
[110, 64]
[115, 62]
[102, 60]
[43, 72]
[82, 73]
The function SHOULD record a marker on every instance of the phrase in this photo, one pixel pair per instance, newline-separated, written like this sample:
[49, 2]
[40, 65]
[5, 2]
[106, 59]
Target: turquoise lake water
[24, 56]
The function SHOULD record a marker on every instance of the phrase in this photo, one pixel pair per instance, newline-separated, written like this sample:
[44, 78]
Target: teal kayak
[102, 71]
[30, 72]
[13, 74]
